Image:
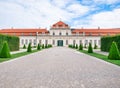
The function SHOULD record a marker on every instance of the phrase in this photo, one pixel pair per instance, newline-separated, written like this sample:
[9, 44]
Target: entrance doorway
[60, 43]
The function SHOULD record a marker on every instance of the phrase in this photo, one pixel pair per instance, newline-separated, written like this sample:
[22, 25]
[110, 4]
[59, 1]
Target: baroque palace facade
[60, 34]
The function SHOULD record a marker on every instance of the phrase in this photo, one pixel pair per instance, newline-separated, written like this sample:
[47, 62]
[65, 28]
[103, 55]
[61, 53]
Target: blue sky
[43, 13]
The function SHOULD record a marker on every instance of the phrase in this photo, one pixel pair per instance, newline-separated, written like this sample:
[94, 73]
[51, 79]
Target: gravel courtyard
[58, 67]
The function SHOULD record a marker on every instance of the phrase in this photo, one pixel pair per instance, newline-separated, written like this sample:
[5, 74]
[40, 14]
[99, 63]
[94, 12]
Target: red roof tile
[60, 24]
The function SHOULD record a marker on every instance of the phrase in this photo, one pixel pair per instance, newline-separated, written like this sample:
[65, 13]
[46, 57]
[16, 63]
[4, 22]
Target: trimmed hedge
[81, 46]
[107, 41]
[13, 42]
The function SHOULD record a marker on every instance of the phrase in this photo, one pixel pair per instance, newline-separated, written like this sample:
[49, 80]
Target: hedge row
[107, 41]
[12, 41]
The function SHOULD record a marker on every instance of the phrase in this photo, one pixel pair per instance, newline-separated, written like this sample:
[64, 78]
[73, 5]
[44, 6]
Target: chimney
[98, 27]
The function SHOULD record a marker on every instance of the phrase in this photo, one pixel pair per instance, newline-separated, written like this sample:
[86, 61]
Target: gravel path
[58, 67]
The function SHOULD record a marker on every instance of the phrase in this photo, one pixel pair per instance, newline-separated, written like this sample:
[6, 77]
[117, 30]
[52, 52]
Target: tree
[114, 52]
[90, 50]
[39, 47]
[95, 46]
[5, 51]
[81, 46]
[46, 46]
[43, 46]
[29, 48]
[85, 46]
[24, 47]
[73, 46]
[76, 46]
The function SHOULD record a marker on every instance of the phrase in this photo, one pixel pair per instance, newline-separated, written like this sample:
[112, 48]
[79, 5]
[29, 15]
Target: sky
[44, 13]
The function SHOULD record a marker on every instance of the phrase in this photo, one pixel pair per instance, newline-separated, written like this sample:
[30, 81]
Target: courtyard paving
[59, 67]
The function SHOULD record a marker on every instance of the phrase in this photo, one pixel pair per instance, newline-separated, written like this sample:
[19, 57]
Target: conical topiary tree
[24, 47]
[85, 46]
[95, 46]
[29, 48]
[114, 52]
[73, 46]
[5, 51]
[81, 46]
[43, 46]
[39, 47]
[90, 50]
[76, 46]
[46, 46]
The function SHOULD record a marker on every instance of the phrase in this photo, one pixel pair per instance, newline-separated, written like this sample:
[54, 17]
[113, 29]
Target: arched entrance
[60, 43]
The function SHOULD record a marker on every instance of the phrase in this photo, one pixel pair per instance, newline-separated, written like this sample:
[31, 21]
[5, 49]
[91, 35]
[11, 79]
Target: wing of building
[60, 34]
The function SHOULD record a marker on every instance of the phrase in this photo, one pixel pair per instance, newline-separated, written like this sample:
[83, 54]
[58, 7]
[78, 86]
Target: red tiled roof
[25, 32]
[93, 32]
[60, 24]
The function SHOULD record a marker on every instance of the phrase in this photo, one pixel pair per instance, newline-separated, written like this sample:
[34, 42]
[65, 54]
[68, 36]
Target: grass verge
[18, 55]
[101, 56]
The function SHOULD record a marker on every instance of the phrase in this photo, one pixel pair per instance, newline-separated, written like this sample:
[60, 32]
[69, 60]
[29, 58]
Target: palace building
[60, 34]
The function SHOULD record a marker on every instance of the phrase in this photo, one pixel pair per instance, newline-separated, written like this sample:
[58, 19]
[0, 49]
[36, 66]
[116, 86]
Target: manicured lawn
[101, 56]
[18, 55]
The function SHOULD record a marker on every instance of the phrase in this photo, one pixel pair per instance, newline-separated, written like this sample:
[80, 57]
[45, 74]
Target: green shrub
[39, 47]
[5, 51]
[95, 46]
[76, 46]
[90, 50]
[43, 46]
[73, 46]
[49, 45]
[29, 48]
[24, 47]
[114, 52]
[46, 46]
[81, 46]
[85, 46]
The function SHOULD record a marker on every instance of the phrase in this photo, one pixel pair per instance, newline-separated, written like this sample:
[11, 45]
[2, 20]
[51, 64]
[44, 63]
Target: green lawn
[103, 57]
[18, 55]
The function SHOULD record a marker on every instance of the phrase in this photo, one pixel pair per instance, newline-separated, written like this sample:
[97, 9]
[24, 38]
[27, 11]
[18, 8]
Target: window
[66, 42]
[66, 33]
[53, 33]
[40, 42]
[60, 33]
[80, 41]
[53, 42]
[86, 42]
[22, 41]
[26, 41]
[30, 41]
[95, 41]
[74, 42]
[34, 42]
[46, 42]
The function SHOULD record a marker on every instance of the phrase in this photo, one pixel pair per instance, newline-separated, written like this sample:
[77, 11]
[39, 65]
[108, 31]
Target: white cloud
[43, 13]
[110, 19]
[106, 1]
[77, 9]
